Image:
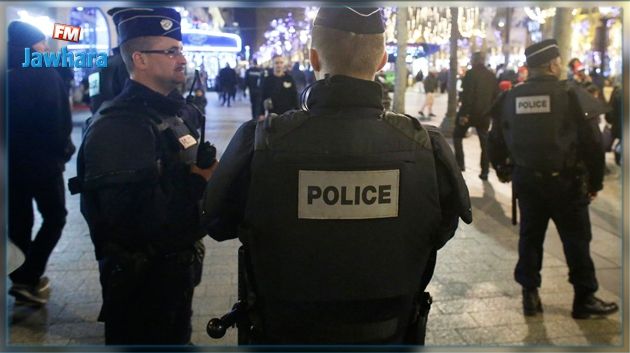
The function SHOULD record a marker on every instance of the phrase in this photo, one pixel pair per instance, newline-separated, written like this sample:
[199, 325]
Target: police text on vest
[533, 105]
[348, 194]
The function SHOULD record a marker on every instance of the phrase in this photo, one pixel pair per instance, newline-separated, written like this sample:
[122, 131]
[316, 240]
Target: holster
[417, 330]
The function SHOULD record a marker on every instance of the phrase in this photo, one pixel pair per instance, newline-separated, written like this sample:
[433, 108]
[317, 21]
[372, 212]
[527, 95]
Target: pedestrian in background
[253, 78]
[298, 77]
[279, 87]
[547, 131]
[443, 79]
[430, 87]
[479, 90]
[577, 72]
[141, 180]
[227, 82]
[39, 127]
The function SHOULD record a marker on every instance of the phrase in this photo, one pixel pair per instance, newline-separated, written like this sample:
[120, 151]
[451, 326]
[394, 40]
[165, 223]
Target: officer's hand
[261, 117]
[592, 195]
[206, 173]
[463, 120]
[504, 173]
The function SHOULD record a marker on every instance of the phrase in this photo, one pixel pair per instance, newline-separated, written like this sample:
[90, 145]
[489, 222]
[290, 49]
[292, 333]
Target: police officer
[341, 206]
[140, 189]
[109, 81]
[548, 131]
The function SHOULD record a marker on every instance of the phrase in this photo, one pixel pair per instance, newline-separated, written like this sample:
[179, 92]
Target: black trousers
[49, 195]
[482, 132]
[561, 199]
[147, 302]
[254, 98]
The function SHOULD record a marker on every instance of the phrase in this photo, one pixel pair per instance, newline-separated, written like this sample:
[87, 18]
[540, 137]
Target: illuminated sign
[200, 40]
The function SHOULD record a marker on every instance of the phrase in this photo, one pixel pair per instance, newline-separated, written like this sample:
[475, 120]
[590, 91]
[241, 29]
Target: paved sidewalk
[476, 301]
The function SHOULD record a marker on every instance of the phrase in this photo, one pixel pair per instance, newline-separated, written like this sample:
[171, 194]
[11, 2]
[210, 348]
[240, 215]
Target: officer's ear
[314, 58]
[383, 62]
[139, 60]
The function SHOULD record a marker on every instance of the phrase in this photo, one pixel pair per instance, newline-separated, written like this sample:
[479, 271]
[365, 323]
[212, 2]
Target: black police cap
[357, 20]
[149, 22]
[542, 52]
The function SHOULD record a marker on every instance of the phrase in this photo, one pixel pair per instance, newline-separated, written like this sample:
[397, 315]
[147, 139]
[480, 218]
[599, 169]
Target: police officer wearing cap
[547, 131]
[108, 82]
[141, 186]
[341, 206]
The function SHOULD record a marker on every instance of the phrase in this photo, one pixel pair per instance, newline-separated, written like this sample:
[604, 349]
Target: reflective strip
[348, 194]
[533, 105]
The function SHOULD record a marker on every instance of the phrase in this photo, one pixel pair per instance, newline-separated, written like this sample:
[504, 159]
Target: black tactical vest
[359, 208]
[158, 147]
[538, 126]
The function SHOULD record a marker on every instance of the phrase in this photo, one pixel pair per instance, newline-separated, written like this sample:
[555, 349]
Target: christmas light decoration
[540, 15]
[288, 37]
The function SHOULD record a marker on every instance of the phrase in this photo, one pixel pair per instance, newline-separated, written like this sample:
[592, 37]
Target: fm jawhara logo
[65, 58]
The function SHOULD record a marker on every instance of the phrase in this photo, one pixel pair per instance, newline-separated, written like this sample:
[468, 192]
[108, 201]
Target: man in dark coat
[280, 88]
[40, 124]
[227, 82]
[253, 78]
[480, 89]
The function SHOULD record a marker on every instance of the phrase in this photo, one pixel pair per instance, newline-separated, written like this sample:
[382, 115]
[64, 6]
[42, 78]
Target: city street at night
[475, 299]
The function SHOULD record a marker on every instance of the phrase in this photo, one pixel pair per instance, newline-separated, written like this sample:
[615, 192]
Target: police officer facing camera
[141, 186]
[341, 206]
[547, 130]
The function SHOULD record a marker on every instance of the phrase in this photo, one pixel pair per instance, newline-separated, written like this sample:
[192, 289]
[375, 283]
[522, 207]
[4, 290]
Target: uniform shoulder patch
[409, 126]
[275, 126]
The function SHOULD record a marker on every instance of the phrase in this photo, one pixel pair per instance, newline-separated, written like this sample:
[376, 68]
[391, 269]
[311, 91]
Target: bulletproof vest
[159, 147]
[539, 128]
[358, 214]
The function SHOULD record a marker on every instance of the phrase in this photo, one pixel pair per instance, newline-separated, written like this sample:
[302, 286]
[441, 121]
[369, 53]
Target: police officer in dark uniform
[341, 207]
[109, 81]
[547, 131]
[141, 187]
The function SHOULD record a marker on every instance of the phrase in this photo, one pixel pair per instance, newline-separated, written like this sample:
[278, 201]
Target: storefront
[94, 35]
[211, 49]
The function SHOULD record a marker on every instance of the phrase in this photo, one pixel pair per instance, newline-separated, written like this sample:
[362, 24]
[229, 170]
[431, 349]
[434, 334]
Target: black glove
[206, 155]
[504, 173]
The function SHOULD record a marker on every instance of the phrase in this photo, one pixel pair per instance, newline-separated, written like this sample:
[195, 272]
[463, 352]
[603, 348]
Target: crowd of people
[322, 190]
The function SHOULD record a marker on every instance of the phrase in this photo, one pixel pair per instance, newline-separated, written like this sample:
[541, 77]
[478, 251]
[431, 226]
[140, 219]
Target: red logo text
[66, 32]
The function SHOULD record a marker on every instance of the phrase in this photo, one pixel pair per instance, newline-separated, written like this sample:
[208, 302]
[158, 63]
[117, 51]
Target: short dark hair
[478, 58]
[133, 45]
[348, 53]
